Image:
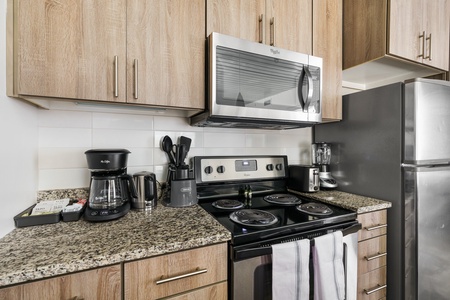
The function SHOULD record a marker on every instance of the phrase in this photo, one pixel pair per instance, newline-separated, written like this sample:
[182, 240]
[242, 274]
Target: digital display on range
[245, 165]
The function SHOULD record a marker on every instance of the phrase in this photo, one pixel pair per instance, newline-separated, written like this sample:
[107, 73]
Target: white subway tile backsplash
[64, 119]
[173, 124]
[225, 140]
[120, 138]
[63, 178]
[62, 158]
[140, 157]
[122, 121]
[64, 137]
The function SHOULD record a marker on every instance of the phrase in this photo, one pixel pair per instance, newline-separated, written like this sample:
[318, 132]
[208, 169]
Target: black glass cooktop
[290, 219]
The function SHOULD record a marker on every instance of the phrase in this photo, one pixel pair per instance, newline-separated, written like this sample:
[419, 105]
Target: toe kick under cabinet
[199, 273]
[372, 255]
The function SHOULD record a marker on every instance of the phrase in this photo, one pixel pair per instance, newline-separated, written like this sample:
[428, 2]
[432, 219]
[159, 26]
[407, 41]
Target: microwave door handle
[306, 103]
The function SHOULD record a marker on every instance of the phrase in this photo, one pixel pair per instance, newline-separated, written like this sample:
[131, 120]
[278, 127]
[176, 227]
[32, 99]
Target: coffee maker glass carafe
[111, 189]
[108, 192]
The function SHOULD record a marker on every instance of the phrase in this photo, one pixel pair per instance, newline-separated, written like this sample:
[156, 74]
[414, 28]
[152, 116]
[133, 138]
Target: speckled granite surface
[359, 204]
[38, 252]
[43, 251]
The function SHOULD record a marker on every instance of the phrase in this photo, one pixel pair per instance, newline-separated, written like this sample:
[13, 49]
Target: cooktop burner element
[253, 217]
[227, 204]
[317, 209]
[283, 199]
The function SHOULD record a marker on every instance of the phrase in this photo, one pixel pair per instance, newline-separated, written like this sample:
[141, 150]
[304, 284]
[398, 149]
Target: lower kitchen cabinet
[372, 255]
[200, 273]
[102, 283]
[215, 291]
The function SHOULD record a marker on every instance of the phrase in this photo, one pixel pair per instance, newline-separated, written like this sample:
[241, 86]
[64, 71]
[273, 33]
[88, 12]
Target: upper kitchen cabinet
[281, 23]
[67, 49]
[166, 53]
[393, 40]
[150, 53]
[327, 43]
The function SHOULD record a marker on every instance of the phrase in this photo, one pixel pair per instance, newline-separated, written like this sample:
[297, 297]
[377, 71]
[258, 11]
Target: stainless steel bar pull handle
[422, 36]
[136, 78]
[376, 227]
[196, 272]
[261, 28]
[369, 258]
[116, 76]
[429, 47]
[272, 31]
[375, 289]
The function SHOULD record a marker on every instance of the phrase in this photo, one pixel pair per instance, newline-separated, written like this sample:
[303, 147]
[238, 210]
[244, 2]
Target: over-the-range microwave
[252, 85]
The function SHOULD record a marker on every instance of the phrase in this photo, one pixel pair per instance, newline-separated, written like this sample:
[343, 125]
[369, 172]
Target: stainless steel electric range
[248, 196]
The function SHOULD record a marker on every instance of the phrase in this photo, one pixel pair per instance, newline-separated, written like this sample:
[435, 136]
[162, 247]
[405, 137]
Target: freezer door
[427, 208]
[427, 121]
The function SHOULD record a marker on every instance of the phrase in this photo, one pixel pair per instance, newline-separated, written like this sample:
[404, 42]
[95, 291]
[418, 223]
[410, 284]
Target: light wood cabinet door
[166, 53]
[239, 18]
[419, 31]
[67, 49]
[175, 273]
[372, 285]
[327, 43]
[285, 24]
[288, 24]
[103, 283]
[405, 26]
[373, 224]
[216, 291]
[437, 24]
[372, 254]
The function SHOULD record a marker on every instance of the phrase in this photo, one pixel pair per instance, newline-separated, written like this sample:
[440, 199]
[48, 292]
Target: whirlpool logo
[275, 51]
[105, 161]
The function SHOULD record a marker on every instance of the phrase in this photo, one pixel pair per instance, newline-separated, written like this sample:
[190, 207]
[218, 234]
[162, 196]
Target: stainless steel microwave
[252, 85]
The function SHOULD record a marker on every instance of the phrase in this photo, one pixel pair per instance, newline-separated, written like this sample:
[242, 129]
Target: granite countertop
[37, 252]
[357, 203]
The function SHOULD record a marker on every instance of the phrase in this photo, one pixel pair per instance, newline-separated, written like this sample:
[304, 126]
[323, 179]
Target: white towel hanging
[329, 275]
[290, 270]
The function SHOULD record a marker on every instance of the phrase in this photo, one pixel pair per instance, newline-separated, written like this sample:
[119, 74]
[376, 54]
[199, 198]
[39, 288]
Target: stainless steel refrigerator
[394, 144]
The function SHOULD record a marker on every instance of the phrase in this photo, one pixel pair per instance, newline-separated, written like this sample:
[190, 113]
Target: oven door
[251, 265]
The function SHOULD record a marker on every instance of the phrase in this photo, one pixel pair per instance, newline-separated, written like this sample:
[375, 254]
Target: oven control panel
[237, 168]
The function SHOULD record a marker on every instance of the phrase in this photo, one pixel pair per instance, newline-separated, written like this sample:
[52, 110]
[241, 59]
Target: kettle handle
[150, 192]
[127, 177]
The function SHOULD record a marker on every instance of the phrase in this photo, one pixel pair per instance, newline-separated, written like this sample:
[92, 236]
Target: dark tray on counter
[24, 219]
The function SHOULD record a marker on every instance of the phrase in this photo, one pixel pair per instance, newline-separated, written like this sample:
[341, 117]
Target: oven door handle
[267, 250]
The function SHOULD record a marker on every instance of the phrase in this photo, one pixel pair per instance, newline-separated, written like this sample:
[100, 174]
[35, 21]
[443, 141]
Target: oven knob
[279, 167]
[208, 170]
[269, 167]
[220, 169]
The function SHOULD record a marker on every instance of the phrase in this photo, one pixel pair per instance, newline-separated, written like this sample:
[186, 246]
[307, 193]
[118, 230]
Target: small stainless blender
[321, 156]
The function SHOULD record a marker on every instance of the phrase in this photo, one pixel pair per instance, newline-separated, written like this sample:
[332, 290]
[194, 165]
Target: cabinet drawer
[171, 274]
[372, 285]
[371, 254]
[373, 224]
[102, 283]
[216, 291]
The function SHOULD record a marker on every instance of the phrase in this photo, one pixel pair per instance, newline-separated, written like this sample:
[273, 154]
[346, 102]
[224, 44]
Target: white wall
[18, 150]
[44, 149]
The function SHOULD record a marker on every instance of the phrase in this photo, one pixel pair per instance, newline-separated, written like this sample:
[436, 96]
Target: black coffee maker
[111, 189]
